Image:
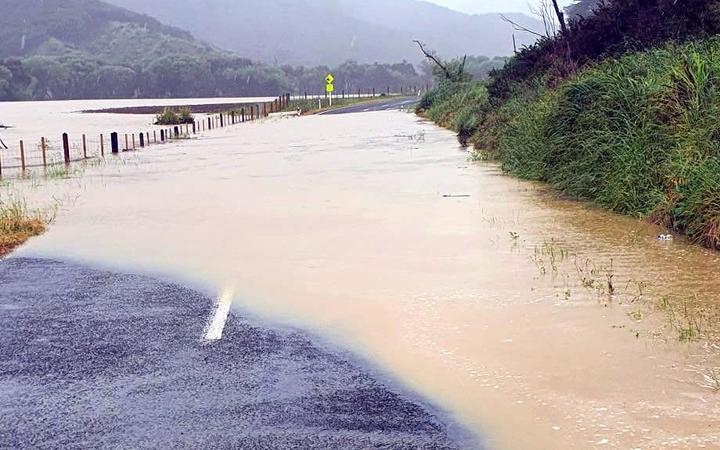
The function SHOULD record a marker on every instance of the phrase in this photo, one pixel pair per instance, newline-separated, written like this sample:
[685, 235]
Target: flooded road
[539, 323]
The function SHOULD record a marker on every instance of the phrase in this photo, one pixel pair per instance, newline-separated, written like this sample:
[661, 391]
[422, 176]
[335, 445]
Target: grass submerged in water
[18, 224]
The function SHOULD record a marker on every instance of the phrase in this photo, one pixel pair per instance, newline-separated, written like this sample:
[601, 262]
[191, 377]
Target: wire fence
[68, 149]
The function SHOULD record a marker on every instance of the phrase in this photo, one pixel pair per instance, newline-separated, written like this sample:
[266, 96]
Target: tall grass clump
[456, 105]
[17, 225]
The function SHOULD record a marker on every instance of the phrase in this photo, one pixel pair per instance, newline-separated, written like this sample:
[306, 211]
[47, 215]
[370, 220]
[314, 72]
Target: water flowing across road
[539, 322]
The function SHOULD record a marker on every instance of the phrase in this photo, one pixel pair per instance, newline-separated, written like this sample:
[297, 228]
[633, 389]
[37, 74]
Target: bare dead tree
[561, 19]
[449, 75]
[517, 27]
[544, 11]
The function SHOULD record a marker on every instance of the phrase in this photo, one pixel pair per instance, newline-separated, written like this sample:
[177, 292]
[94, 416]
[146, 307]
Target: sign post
[329, 87]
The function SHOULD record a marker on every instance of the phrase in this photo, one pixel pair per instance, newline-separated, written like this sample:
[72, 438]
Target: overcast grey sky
[485, 6]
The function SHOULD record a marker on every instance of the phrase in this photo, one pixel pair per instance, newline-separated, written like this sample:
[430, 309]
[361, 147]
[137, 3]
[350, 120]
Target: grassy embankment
[638, 134]
[17, 225]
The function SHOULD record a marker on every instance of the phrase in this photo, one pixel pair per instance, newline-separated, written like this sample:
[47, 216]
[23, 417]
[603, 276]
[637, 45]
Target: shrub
[170, 117]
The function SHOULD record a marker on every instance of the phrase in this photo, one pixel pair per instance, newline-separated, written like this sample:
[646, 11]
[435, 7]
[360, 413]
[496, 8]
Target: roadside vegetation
[18, 224]
[622, 109]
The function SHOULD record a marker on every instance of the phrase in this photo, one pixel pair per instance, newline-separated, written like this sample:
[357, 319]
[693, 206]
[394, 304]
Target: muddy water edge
[539, 322]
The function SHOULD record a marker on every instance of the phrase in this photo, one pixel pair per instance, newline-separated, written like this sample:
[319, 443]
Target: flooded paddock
[539, 322]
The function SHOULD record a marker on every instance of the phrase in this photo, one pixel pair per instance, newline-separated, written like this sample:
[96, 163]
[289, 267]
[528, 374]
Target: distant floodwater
[32, 120]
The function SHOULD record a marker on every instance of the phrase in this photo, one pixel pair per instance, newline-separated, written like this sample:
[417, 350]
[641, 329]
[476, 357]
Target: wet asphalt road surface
[93, 359]
[384, 105]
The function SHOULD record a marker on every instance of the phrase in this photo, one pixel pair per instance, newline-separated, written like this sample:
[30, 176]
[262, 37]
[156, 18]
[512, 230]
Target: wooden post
[155, 136]
[222, 121]
[147, 138]
[127, 143]
[84, 147]
[102, 146]
[162, 135]
[43, 148]
[66, 148]
[194, 128]
[209, 126]
[142, 140]
[176, 129]
[114, 144]
[22, 155]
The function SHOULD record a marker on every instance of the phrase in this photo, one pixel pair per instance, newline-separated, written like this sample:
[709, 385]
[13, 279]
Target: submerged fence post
[22, 155]
[102, 146]
[142, 140]
[43, 148]
[114, 144]
[222, 121]
[162, 135]
[66, 148]
[176, 129]
[84, 140]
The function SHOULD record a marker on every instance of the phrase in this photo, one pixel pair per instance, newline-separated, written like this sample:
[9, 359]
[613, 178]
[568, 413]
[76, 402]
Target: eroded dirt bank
[542, 323]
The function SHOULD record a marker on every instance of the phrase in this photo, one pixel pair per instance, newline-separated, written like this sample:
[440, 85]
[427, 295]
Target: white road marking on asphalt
[216, 327]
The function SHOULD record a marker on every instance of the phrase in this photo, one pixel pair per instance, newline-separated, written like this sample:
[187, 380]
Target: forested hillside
[330, 32]
[60, 49]
[622, 109]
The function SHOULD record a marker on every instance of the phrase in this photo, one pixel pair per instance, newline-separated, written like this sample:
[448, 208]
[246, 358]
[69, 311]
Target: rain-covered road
[382, 105]
[93, 359]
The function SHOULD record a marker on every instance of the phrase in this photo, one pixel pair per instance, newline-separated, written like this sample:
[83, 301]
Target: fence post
[43, 147]
[176, 129]
[222, 121]
[84, 147]
[102, 146]
[162, 135]
[142, 140]
[147, 138]
[66, 148]
[114, 144]
[194, 128]
[22, 155]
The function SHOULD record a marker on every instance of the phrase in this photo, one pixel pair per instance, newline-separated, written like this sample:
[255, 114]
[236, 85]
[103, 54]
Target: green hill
[64, 49]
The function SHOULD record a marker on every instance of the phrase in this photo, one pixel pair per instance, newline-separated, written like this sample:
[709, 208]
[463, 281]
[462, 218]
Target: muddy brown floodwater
[540, 323]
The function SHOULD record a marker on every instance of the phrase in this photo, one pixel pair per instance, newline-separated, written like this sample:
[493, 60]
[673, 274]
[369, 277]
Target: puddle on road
[484, 293]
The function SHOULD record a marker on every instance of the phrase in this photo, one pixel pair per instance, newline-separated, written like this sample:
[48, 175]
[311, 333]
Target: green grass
[639, 135]
[17, 225]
